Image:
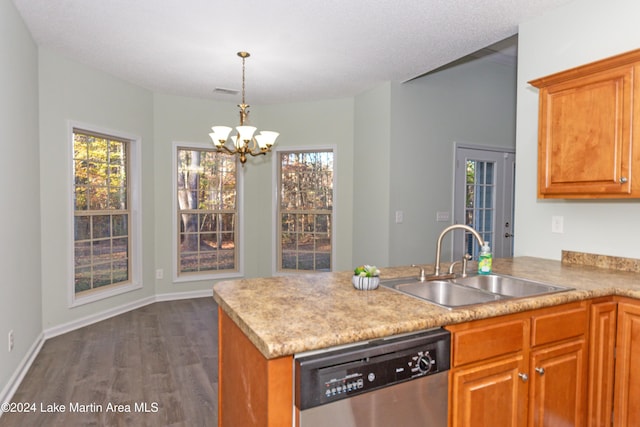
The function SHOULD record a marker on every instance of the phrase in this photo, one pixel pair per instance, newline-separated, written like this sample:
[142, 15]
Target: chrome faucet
[445, 231]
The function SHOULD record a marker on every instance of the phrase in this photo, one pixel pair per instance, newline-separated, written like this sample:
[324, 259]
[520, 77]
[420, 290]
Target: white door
[483, 199]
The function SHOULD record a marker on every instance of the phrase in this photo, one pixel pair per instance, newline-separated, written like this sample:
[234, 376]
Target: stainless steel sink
[507, 285]
[470, 290]
[442, 292]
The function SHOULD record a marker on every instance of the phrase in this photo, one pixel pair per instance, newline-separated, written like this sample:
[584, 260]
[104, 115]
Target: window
[207, 211]
[305, 210]
[102, 215]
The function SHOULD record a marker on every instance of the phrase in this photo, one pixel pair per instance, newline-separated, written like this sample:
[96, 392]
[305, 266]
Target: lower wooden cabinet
[489, 394]
[252, 390]
[627, 372]
[569, 365]
[558, 384]
[602, 342]
[530, 369]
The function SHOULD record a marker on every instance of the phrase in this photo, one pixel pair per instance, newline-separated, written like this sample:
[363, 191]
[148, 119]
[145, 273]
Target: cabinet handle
[540, 371]
[524, 377]
[623, 180]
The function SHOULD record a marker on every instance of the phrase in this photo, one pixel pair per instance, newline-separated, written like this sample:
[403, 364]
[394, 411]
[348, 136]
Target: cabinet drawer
[553, 327]
[488, 341]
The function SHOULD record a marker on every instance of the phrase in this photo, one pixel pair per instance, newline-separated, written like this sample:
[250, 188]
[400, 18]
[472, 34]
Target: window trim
[193, 277]
[135, 201]
[274, 203]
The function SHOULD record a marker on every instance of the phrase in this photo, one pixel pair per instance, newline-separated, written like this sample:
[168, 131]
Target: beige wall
[578, 33]
[471, 103]
[185, 120]
[71, 91]
[20, 289]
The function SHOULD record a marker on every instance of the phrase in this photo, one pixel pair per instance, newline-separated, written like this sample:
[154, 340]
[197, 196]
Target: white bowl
[365, 283]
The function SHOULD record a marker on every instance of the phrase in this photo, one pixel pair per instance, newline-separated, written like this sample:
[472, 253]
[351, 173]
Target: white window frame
[135, 208]
[192, 277]
[274, 203]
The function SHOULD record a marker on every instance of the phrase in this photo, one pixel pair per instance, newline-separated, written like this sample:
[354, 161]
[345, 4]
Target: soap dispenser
[485, 259]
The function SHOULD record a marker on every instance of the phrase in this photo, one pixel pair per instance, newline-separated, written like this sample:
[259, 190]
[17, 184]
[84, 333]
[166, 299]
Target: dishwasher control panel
[339, 374]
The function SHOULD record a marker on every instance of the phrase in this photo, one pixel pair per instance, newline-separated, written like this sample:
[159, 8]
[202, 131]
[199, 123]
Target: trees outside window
[305, 210]
[207, 211]
[102, 216]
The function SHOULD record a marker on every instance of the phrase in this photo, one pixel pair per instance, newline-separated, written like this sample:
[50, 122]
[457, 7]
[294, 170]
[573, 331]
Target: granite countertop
[292, 314]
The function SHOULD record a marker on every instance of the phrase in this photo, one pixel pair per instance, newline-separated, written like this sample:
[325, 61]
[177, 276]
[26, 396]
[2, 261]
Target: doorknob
[507, 235]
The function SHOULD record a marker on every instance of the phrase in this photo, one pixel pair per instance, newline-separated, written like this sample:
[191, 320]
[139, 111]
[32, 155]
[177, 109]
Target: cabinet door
[558, 384]
[489, 394]
[587, 136]
[602, 341]
[627, 387]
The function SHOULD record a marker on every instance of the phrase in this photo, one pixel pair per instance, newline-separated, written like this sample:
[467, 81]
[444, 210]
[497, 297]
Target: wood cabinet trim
[602, 341]
[626, 408]
[587, 69]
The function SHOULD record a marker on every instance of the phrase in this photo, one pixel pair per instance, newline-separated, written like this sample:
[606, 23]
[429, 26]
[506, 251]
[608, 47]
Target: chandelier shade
[244, 142]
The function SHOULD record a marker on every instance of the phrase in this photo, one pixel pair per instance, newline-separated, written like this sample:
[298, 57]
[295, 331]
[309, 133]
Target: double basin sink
[471, 290]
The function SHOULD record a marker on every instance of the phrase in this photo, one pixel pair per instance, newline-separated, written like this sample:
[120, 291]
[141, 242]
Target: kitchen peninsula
[263, 322]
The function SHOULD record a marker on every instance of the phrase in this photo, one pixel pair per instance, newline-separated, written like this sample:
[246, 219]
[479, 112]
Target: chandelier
[244, 141]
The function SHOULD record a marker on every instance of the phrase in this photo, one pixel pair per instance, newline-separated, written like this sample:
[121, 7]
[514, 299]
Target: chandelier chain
[243, 58]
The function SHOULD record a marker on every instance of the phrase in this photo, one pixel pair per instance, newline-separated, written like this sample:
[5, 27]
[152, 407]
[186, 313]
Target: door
[558, 383]
[483, 199]
[490, 394]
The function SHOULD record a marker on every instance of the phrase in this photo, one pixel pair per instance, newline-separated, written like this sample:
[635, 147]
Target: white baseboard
[96, 317]
[173, 296]
[10, 389]
[14, 382]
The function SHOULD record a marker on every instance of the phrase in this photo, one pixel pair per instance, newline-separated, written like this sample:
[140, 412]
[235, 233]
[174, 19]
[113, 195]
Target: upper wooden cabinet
[589, 130]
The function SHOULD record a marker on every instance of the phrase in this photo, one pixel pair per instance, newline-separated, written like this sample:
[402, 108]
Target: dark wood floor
[161, 358]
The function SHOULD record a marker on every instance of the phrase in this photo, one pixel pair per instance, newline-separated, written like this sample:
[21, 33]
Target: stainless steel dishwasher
[401, 381]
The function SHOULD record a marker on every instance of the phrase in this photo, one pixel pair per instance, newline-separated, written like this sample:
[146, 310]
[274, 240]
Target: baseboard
[97, 317]
[174, 296]
[14, 382]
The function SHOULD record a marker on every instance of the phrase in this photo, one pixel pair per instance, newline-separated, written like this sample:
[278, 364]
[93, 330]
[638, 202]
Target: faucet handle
[423, 276]
[465, 259]
[453, 264]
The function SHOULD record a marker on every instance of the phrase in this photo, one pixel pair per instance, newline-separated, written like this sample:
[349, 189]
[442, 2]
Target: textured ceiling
[300, 50]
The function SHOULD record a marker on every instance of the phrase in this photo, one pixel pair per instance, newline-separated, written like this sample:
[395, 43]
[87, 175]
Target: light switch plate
[399, 217]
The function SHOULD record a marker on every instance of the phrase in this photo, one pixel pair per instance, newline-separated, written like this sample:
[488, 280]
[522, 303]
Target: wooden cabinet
[558, 368]
[602, 341]
[588, 130]
[627, 377]
[523, 369]
[558, 384]
[490, 394]
[252, 390]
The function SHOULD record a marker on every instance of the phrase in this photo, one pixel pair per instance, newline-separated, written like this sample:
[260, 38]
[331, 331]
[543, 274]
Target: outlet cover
[10, 339]
[443, 216]
[557, 224]
[159, 274]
